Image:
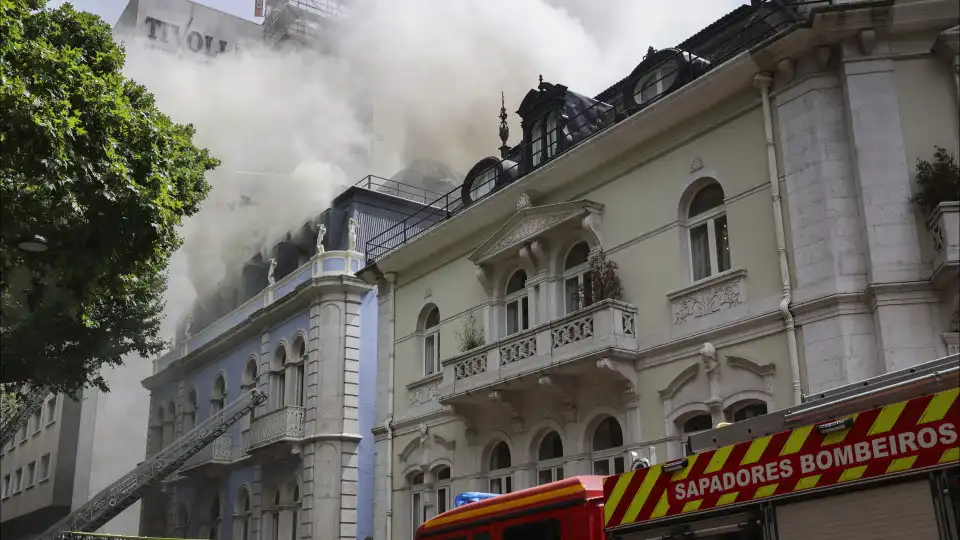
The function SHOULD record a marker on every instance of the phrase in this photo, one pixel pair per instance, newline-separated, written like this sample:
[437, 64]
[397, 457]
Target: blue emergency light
[471, 496]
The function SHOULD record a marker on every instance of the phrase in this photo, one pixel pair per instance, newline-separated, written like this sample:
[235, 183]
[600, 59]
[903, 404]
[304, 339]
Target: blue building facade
[297, 325]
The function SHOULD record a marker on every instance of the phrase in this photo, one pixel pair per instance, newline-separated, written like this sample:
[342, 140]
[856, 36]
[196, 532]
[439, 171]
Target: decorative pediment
[532, 221]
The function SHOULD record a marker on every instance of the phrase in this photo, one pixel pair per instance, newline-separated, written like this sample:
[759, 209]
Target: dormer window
[660, 73]
[483, 183]
[656, 82]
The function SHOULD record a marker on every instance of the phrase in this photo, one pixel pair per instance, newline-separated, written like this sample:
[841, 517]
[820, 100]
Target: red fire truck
[877, 460]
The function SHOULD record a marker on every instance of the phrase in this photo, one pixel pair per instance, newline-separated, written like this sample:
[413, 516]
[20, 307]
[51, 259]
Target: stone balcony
[571, 344]
[222, 451]
[944, 227]
[282, 426]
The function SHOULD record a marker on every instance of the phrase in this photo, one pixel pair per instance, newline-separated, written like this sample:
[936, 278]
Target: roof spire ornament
[504, 128]
[541, 80]
[650, 51]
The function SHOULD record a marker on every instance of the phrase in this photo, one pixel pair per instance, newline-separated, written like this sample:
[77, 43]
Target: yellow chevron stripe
[853, 473]
[718, 460]
[610, 506]
[939, 405]
[887, 418]
[727, 498]
[901, 464]
[796, 440]
[662, 507]
[756, 450]
[683, 473]
[837, 436]
[807, 482]
[691, 506]
[642, 494]
[952, 454]
[765, 491]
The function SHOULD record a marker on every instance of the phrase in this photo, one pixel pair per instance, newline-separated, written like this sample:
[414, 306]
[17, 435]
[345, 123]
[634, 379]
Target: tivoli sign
[167, 32]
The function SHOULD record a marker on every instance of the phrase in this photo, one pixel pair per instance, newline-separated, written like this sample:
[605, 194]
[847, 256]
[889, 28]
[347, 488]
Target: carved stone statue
[423, 434]
[352, 229]
[708, 354]
[523, 201]
[320, 234]
[270, 273]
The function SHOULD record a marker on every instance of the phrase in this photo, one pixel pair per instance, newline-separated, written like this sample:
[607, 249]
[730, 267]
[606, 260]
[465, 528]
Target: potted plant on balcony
[470, 337]
[604, 282]
[937, 198]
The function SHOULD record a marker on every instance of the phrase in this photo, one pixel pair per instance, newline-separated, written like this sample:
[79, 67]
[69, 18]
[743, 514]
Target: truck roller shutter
[897, 512]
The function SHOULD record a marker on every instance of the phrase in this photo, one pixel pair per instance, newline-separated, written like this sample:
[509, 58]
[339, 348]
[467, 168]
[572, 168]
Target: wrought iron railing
[398, 189]
[768, 19]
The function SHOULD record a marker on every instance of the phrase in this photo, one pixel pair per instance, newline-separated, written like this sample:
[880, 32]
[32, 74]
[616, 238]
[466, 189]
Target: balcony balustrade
[571, 343]
[220, 452]
[282, 425]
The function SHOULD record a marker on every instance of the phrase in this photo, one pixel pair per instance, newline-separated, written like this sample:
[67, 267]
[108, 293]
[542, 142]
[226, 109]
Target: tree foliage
[604, 282]
[90, 164]
[938, 181]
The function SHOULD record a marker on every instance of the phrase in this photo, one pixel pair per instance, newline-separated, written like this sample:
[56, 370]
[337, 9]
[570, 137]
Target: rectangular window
[552, 474]
[6, 486]
[547, 529]
[430, 354]
[416, 510]
[51, 410]
[37, 420]
[18, 480]
[517, 315]
[298, 385]
[536, 143]
[443, 500]
[501, 485]
[608, 466]
[22, 433]
[31, 474]
[45, 467]
[281, 389]
[700, 252]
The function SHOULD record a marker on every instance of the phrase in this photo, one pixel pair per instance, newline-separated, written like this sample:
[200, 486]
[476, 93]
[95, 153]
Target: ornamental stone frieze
[721, 292]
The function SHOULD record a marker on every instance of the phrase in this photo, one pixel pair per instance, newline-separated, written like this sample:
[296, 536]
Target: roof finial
[541, 79]
[650, 51]
[504, 128]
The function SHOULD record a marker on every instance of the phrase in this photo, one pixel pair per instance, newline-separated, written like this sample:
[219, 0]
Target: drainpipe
[391, 278]
[763, 82]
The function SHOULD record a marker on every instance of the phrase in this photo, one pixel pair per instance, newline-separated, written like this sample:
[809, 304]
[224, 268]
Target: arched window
[190, 411]
[431, 342]
[272, 518]
[218, 397]
[215, 517]
[709, 238]
[518, 304]
[299, 356]
[483, 183]
[418, 503]
[607, 448]
[549, 454]
[552, 134]
[250, 373]
[536, 143]
[295, 513]
[743, 411]
[441, 479]
[655, 82]
[695, 424]
[241, 515]
[576, 278]
[501, 481]
[279, 376]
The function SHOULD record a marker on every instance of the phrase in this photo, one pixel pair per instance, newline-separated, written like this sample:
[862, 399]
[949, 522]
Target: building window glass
[6, 486]
[483, 183]
[22, 433]
[518, 304]
[45, 467]
[576, 278]
[607, 447]
[694, 425]
[442, 479]
[241, 518]
[215, 517]
[744, 412]
[300, 357]
[295, 514]
[18, 480]
[552, 135]
[31, 474]
[37, 420]
[279, 377]
[709, 235]
[418, 508]
[536, 143]
[218, 397]
[190, 411]
[500, 481]
[51, 410]
[656, 82]
[431, 342]
[549, 466]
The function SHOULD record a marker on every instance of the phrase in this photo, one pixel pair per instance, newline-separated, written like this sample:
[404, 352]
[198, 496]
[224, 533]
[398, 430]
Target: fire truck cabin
[877, 460]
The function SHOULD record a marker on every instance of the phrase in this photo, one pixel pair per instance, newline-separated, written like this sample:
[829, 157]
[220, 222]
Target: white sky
[110, 10]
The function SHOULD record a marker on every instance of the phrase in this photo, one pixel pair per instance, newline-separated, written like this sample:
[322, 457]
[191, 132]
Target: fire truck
[877, 460]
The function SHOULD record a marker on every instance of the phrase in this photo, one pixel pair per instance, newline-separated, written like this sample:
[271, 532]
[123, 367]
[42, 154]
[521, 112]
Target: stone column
[633, 434]
[903, 307]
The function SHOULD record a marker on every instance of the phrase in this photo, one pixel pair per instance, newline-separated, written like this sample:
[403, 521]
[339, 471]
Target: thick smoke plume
[290, 127]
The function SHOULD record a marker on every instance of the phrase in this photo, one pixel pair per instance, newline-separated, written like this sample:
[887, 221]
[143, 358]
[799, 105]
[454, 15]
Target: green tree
[90, 164]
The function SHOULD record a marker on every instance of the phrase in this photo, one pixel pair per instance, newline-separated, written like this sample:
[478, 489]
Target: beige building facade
[766, 249]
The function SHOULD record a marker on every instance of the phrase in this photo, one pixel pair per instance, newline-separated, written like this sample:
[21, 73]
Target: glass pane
[513, 324]
[551, 136]
[536, 143]
[544, 476]
[496, 486]
[509, 481]
[618, 465]
[558, 473]
[601, 467]
[723, 243]
[572, 287]
[587, 289]
[416, 509]
[483, 183]
[700, 252]
[524, 313]
[428, 355]
[441, 500]
[706, 199]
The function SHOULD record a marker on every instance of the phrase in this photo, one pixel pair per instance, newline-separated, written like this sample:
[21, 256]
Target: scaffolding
[302, 23]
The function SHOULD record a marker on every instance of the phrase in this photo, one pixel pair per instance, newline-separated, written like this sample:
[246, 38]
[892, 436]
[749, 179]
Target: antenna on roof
[504, 128]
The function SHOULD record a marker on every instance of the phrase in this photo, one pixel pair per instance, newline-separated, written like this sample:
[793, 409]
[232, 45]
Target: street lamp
[34, 244]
